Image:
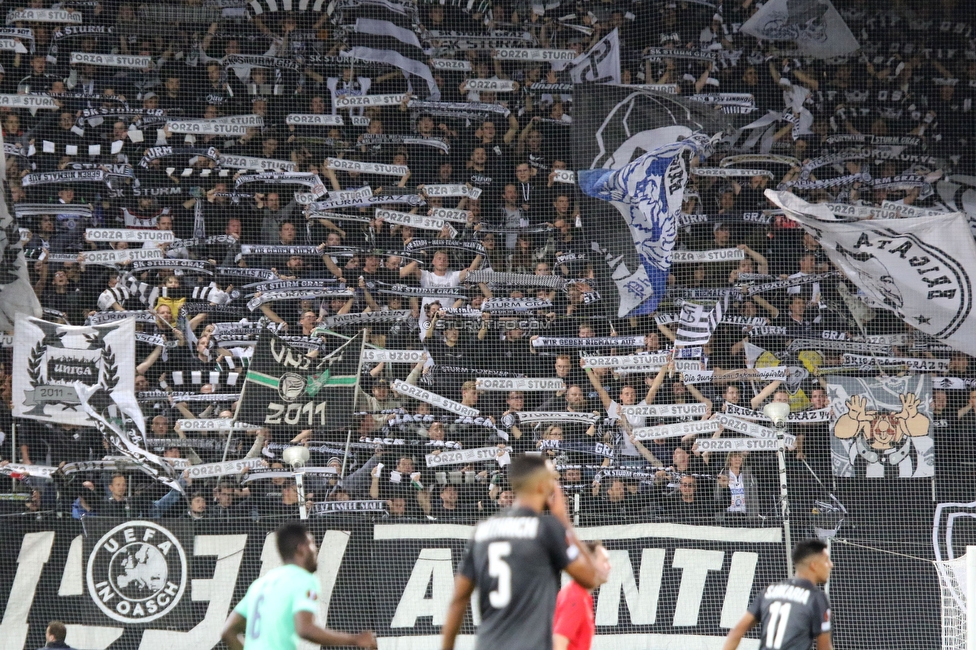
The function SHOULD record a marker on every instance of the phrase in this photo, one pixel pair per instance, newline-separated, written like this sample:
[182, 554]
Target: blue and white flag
[648, 193]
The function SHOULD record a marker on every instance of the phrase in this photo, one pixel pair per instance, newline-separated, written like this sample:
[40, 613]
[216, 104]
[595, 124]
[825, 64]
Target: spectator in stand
[55, 634]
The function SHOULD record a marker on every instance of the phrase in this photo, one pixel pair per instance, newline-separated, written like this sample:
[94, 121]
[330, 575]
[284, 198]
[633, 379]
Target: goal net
[954, 585]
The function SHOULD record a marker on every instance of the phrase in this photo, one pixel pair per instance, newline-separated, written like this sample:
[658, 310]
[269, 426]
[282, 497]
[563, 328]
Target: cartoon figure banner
[881, 427]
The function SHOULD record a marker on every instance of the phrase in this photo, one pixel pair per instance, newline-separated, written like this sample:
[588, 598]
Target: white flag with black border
[59, 368]
[600, 64]
[914, 267]
[697, 322]
[815, 26]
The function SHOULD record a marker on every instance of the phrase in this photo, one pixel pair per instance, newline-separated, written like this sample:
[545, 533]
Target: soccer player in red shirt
[573, 625]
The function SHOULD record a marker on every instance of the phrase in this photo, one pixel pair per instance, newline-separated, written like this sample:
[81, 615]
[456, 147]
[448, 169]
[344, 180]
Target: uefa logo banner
[137, 572]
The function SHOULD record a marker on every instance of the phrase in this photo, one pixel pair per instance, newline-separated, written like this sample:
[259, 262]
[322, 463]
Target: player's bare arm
[233, 631]
[463, 588]
[584, 568]
[825, 642]
[306, 628]
[739, 631]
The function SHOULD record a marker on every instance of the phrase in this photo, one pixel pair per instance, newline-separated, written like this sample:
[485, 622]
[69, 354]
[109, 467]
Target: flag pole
[355, 400]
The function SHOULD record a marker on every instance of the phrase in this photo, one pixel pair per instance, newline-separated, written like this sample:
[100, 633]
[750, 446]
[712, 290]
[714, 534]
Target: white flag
[913, 267]
[601, 64]
[814, 25]
[60, 368]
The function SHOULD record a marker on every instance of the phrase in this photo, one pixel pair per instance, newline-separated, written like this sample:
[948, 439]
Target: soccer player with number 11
[795, 612]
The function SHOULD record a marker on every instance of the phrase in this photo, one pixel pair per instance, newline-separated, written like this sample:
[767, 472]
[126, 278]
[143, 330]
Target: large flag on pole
[814, 25]
[916, 267]
[613, 126]
[648, 192]
[16, 293]
[288, 391]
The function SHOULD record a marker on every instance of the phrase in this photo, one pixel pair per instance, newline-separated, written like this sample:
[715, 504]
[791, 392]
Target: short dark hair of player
[57, 630]
[522, 469]
[806, 549]
[291, 535]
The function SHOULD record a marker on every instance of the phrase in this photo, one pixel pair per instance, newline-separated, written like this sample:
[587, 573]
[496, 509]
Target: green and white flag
[287, 390]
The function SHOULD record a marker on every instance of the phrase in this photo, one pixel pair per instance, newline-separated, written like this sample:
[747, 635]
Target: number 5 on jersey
[499, 569]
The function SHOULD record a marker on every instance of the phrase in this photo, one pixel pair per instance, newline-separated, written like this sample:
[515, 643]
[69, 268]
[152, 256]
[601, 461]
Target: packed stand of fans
[915, 75]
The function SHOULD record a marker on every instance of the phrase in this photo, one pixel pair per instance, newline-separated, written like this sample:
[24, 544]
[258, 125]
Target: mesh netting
[343, 261]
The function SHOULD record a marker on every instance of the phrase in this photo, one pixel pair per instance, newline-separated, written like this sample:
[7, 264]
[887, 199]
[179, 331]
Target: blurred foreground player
[573, 626]
[514, 559]
[794, 612]
[279, 608]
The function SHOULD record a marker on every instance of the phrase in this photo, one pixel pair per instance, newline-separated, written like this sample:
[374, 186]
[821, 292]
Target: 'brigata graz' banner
[171, 583]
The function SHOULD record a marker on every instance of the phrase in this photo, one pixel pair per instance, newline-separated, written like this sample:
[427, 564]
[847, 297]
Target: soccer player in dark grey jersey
[514, 560]
[795, 612]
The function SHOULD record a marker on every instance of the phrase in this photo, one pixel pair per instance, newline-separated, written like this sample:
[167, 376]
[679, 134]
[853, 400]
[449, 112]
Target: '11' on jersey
[793, 614]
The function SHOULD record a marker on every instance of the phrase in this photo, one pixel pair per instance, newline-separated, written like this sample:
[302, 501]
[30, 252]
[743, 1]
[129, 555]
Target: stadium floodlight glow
[295, 456]
[778, 413]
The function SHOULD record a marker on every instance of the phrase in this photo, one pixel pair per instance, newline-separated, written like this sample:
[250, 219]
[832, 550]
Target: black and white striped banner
[697, 323]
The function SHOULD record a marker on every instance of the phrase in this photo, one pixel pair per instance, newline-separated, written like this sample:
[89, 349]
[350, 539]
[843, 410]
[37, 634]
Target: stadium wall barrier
[141, 585]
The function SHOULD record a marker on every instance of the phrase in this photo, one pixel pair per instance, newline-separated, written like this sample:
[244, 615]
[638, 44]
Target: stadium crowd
[915, 75]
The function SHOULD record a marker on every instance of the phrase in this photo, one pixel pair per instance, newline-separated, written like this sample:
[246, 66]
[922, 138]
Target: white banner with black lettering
[701, 427]
[58, 368]
[260, 164]
[626, 361]
[433, 399]
[112, 60]
[27, 101]
[392, 356]
[44, 16]
[818, 415]
[523, 384]
[664, 410]
[716, 255]
[340, 164]
[532, 54]
[313, 119]
[419, 221]
[112, 257]
[128, 235]
[737, 444]
[214, 424]
[228, 468]
[355, 101]
[915, 268]
[468, 456]
[452, 189]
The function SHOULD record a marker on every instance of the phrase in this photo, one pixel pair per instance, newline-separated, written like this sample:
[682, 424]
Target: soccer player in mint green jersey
[279, 608]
